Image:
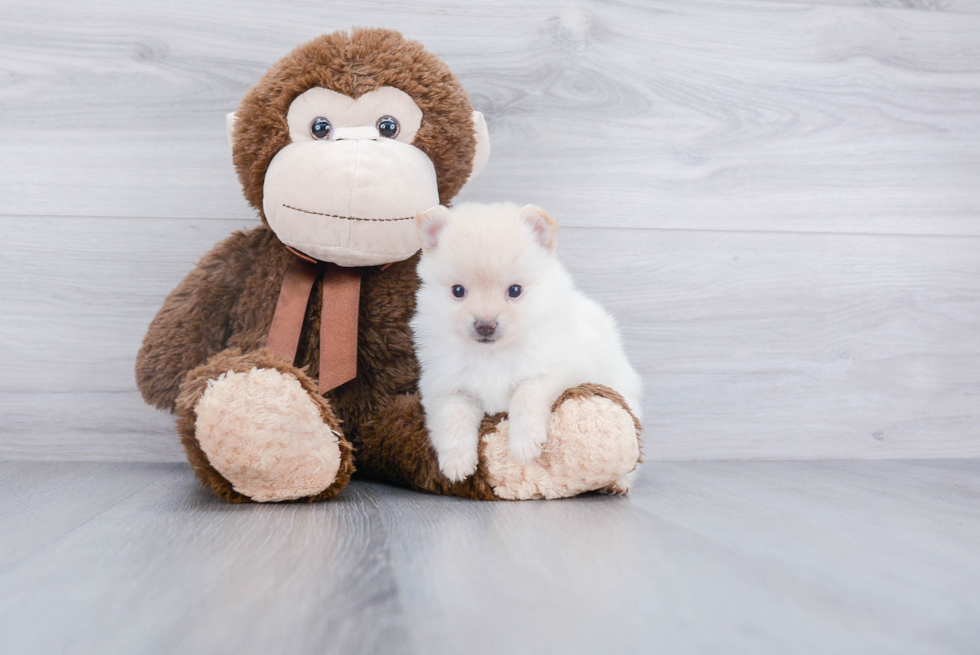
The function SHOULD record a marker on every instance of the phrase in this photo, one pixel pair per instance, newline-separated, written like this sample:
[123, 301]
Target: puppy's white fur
[551, 337]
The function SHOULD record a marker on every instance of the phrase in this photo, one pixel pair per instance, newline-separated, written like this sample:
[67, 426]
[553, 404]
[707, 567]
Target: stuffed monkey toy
[286, 353]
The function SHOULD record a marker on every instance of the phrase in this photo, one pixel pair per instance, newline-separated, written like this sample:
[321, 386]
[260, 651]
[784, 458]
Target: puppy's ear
[545, 227]
[430, 224]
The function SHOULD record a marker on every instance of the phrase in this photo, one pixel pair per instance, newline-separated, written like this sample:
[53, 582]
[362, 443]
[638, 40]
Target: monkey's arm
[194, 322]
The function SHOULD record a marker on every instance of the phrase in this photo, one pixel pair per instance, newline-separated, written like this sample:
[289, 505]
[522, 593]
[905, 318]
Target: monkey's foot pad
[264, 434]
[593, 441]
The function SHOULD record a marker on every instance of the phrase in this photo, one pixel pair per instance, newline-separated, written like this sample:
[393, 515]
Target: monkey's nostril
[484, 328]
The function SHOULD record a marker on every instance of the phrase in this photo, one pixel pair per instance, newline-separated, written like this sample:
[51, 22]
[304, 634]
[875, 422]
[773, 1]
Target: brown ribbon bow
[338, 317]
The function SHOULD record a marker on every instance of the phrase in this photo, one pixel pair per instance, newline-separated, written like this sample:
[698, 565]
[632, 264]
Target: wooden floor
[703, 557]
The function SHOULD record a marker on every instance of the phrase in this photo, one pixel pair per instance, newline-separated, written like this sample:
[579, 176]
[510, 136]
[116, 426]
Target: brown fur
[195, 321]
[354, 63]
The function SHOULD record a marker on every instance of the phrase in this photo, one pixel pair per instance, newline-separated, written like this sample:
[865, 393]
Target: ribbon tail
[338, 326]
[287, 322]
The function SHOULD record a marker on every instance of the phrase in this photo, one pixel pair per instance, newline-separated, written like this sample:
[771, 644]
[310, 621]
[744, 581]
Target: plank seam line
[254, 222]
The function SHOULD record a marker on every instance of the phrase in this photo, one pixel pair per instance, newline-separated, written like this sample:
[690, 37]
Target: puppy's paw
[527, 433]
[457, 464]
[617, 488]
[620, 487]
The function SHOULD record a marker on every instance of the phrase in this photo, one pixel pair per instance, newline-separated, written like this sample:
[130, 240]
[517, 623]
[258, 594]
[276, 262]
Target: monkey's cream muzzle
[351, 201]
[349, 196]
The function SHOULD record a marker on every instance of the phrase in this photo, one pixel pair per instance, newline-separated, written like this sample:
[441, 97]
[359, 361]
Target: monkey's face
[347, 187]
[350, 135]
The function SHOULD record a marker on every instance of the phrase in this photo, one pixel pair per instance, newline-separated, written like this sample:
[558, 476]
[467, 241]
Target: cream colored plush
[482, 154]
[591, 444]
[322, 198]
[262, 432]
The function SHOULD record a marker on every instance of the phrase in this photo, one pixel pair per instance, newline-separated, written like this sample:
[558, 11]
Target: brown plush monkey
[286, 352]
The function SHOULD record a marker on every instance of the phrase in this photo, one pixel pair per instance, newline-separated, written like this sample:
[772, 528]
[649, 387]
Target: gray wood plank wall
[780, 200]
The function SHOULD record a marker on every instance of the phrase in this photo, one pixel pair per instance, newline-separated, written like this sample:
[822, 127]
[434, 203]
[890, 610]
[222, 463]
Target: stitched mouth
[350, 218]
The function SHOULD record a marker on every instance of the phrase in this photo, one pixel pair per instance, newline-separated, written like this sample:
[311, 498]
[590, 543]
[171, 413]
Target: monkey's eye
[458, 290]
[514, 290]
[321, 128]
[387, 127]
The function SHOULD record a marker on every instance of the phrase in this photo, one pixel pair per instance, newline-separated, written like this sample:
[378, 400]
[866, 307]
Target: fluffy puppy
[500, 327]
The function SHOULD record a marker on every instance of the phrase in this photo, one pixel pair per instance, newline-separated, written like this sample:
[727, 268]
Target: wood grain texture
[945, 6]
[738, 171]
[775, 345]
[711, 557]
[742, 115]
[41, 505]
[86, 425]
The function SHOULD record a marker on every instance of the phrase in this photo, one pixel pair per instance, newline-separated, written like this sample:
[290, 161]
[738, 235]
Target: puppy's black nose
[483, 327]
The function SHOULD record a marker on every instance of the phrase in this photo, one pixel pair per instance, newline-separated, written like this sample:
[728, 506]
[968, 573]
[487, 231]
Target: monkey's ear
[230, 125]
[430, 224]
[545, 227]
[482, 153]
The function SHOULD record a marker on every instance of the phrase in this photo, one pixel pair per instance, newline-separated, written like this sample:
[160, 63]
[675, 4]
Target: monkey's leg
[255, 429]
[593, 444]
[394, 447]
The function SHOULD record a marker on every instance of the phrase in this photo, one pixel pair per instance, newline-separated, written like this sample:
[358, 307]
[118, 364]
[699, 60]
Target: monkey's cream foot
[593, 444]
[261, 431]
[255, 428]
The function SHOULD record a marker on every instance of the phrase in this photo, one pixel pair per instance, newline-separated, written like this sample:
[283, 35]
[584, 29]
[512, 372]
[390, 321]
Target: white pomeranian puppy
[500, 327]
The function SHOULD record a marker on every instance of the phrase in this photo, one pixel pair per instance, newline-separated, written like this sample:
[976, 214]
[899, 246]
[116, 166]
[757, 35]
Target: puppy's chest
[492, 380]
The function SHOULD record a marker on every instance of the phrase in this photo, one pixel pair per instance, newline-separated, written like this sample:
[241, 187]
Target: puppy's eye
[387, 127]
[514, 290]
[459, 291]
[321, 128]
